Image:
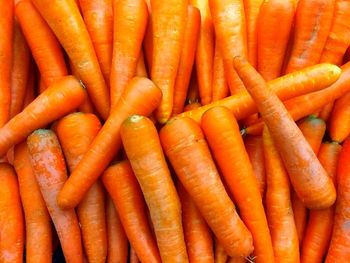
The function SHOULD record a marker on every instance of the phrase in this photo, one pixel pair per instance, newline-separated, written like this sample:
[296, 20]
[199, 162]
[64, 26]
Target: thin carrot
[11, 217]
[220, 86]
[37, 218]
[127, 43]
[126, 194]
[61, 98]
[30, 88]
[141, 70]
[220, 254]
[66, 22]
[339, 122]
[185, 146]
[133, 258]
[309, 179]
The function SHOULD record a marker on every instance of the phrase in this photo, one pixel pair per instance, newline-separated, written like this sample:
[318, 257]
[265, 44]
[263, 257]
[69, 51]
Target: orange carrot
[193, 92]
[192, 106]
[141, 70]
[339, 126]
[133, 256]
[148, 42]
[220, 254]
[239, 260]
[220, 88]
[141, 96]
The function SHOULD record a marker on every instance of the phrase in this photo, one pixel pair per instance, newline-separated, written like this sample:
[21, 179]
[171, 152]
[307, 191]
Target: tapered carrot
[141, 70]
[127, 42]
[319, 228]
[339, 127]
[45, 48]
[75, 133]
[220, 87]
[30, 88]
[37, 218]
[185, 146]
[66, 22]
[187, 58]
[50, 171]
[61, 98]
[309, 179]
[277, 14]
[11, 217]
[278, 205]
[198, 238]
[141, 96]
[220, 254]
[126, 194]
[222, 133]
[151, 170]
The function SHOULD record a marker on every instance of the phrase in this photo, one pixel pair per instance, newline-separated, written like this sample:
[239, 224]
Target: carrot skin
[339, 127]
[220, 254]
[220, 86]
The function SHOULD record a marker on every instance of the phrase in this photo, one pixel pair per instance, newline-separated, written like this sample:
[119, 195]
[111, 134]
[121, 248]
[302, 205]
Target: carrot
[286, 87]
[126, 194]
[50, 171]
[198, 238]
[239, 260]
[127, 42]
[220, 88]
[230, 28]
[192, 106]
[220, 254]
[187, 58]
[141, 96]
[42, 42]
[141, 70]
[11, 217]
[254, 147]
[309, 179]
[205, 51]
[117, 241]
[66, 22]
[319, 228]
[30, 91]
[276, 14]
[193, 92]
[37, 218]
[222, 133]
[61, 98]
[184, 145]
[339, 127]
[148, 42]
[313, 22]
[75, 133]
[133, 256]
[98, 18]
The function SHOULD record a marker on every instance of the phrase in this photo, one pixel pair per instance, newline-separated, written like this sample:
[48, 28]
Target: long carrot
[75, 133]
[66, 22]
[168, 22]
[220, 86]
[220, 254]
[141, 96]
[11, 217]
[187, 58]
[126, 194]
[152, 172]
[185, 146]
[319, 228]
[37, 218]
[309, 179]
[61, 98]
[127, 43]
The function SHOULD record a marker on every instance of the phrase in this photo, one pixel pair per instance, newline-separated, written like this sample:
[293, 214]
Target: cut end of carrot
[135, 118]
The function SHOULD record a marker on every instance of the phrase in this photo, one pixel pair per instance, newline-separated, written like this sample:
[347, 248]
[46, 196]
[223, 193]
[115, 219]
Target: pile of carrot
[175, 131]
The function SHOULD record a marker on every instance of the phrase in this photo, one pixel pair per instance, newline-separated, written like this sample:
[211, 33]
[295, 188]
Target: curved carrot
[66, 22]
[141, 96]
[220, 87]
[50, 171]
[152, 172]
[37, 218]
[127, 43]
[185, 146]
[220, 254]
[11, 217]
[75, 133]
[339, 127]
[223, 135]
[122, 186]
[309, 179]
[61, 98]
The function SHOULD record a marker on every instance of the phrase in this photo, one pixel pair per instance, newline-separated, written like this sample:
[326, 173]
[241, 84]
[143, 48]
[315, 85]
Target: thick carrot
[62, 97]
[152, 172]
[223, 135]
[127, 43]
[168, 22]
[339, 122]
[49, 168]
[185, 146]
[309, 179]
[37, 218]
[141, 96]
[198, 238]
[126, 194]
[11, 217]
[30, 88]
[319, 228]
[205, 51]
[141, 70]
[75, 133]
[45, 48]
[66, 22]
[276, 14]
[220, 86]
[187, 58]
[220, 254]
